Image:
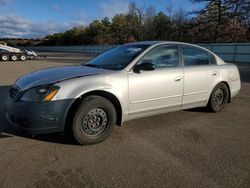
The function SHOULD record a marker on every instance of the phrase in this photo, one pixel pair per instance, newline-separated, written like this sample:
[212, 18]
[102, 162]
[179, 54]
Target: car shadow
[6, 130]
[199, 109]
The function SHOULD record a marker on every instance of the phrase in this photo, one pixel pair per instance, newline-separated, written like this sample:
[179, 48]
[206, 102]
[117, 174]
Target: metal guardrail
[232, 52]
[75, 49]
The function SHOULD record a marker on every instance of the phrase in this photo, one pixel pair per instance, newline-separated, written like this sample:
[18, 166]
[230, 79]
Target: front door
[160, 89]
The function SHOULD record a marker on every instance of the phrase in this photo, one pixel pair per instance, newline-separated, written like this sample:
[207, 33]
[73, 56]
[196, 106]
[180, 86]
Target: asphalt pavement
[192, 148]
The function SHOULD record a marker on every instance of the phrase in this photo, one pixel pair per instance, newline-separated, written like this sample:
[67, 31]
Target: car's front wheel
[218, 98]
[94, 120]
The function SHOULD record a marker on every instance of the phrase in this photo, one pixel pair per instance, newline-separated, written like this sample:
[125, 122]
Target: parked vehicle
[130, 81]
[9, 53]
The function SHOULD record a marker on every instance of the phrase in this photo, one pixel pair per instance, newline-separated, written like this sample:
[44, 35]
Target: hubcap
[14, 58]
[95, 122]
[4, 58]
[219, 97]
[23, 57]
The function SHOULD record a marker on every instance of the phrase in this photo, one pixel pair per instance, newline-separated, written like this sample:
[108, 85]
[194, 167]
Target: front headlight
[41, 93]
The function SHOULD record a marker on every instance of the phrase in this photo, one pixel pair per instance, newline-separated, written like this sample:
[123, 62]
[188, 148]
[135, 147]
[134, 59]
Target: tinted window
[162, 57]
[195, 56]
[119, 57]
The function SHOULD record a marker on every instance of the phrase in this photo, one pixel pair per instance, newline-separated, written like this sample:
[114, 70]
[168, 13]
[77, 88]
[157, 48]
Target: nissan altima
[130, 81]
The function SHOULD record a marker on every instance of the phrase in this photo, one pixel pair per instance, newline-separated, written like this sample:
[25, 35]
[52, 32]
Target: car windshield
[117, 58]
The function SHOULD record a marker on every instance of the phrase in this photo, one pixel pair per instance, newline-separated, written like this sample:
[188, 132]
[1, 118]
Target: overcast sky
[34, 18]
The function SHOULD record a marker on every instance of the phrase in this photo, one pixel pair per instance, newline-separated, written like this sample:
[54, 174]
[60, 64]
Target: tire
[5, 57]
[219, 98]
[23, 57]
[94, 120]
[13, 58]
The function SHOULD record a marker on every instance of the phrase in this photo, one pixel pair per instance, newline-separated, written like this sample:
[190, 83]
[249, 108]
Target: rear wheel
[5, 57]
[23, 57]
[13, 57]
[94, 120]
[218, 98]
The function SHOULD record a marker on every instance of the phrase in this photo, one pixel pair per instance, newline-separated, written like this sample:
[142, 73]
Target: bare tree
[217, 13]
[170, 9]
[180, 21]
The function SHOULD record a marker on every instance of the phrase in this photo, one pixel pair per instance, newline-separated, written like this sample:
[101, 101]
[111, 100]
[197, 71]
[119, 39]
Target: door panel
[160, 89]
[198, 83]
[200, 76]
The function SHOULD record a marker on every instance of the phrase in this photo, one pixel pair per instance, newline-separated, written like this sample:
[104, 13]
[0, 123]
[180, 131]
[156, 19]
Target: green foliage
[161, 27]
[217, 21]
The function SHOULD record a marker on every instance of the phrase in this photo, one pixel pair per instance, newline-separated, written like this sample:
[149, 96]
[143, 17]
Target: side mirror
[144, 67]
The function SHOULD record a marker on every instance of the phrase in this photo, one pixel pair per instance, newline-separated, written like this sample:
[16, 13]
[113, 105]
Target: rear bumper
[38, 118]
[235, 87]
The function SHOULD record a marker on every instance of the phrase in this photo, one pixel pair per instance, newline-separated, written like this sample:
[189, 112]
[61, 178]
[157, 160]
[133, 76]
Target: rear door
[200, 76]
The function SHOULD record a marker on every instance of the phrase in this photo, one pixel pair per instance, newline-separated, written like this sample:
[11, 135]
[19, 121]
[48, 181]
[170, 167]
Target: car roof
[150, 43]
[155, 43]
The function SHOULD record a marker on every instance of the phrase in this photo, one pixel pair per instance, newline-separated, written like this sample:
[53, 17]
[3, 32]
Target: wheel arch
[107, 95]
[229, 91]
[228, 87]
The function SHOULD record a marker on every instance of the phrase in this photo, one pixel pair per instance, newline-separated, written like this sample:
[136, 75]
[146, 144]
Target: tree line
[217, 21]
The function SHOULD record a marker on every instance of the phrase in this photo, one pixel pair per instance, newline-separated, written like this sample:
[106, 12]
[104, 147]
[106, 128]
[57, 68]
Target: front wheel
[218, 98]
[94, 120]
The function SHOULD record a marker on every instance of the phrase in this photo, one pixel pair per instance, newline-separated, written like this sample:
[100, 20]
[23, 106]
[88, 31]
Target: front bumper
[38, 118]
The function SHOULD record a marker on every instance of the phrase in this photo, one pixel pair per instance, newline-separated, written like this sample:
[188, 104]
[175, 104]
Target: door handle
[214, 73]
[179, 78]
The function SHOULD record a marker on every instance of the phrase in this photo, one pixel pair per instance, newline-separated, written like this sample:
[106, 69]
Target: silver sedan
[130, 81]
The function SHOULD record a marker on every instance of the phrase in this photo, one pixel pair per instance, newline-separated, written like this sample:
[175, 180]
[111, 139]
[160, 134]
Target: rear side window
[194, 56]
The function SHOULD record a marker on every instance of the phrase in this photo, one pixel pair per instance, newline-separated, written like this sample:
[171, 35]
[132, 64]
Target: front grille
[13, 92]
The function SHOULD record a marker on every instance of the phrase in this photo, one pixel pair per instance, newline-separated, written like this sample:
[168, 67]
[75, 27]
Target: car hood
[57, 74]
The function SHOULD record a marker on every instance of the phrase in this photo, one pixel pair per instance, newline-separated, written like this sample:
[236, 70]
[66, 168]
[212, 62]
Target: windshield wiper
[93, 65]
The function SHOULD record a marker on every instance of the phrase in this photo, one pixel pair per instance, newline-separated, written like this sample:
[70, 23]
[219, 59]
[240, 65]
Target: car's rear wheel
[218, 98]
[94, 120]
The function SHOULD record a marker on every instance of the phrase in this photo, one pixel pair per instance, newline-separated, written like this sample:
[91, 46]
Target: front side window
[194, 56]
[162, 57]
